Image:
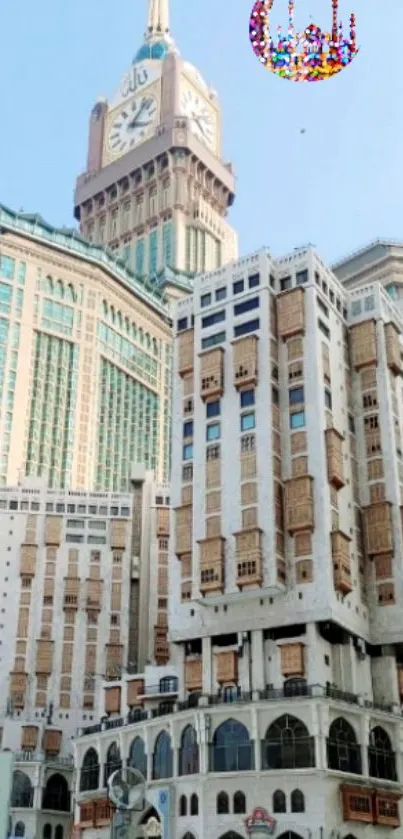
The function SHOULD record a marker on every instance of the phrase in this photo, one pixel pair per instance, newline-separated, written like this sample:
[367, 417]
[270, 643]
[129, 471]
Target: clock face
[201, 116]
[133, 124]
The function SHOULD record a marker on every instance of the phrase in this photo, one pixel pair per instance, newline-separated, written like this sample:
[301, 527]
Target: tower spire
[158, 19]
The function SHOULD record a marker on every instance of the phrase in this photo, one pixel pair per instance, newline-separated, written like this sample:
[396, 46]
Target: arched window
[89, 776]
[194, 805]
[19, 829]
[279, 802]
[162, 757]
[169, 684]
[49, 285]
[231, 835]
[60, 289]
[222, 803]
[70, 294]
[59, 832]
[113, 761]
[297, 801]
[343, 751]
[137, 756]
[287, 745]
[183, 806]
[189, 752]
[289, 834]
[47, 831]
[188, 836]
[381, 757]
[56, 795]
[231, 750]
[22, 793]
[239, 802]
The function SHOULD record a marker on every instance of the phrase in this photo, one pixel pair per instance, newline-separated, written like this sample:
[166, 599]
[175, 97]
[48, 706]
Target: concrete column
[364, 738]
[258, 663]
[207, 666]
[255, 735]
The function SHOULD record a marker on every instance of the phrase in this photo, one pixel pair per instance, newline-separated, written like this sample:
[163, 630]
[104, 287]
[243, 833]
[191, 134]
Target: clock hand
[198, 122]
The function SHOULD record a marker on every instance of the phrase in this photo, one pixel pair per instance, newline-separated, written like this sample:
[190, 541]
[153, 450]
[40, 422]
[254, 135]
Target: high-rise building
[380, 261]
[85, 362]
[84, 598]
[156, 189]
[285, 570]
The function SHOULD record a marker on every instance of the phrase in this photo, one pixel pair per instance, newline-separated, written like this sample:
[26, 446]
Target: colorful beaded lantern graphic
[308, 56]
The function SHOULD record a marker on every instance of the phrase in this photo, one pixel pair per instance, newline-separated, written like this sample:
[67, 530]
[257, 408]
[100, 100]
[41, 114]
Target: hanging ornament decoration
[309, 56]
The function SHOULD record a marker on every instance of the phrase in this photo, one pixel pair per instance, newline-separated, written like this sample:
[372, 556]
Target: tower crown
[157, 38]
[308, 56]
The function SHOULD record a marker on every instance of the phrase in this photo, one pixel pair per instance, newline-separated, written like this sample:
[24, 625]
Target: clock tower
[156, 190]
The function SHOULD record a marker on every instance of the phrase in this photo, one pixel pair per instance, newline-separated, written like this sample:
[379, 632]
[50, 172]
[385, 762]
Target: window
[75, 523]
[188, 752]
[285, 283]
[248, 326]
[162, 757]
[297, 801]
[205, 300]
[279, 802]
[137, 756]
[254, 280]
[328, 399]
[288, 745]
[47, 831]
[22, 793]
[19, 829]
[325, 329]
[222, 805]
[247, 398]
[187, 452]
[248, 443]
[194, 805]
[247, 421]
[343, 751]
[239, 800]
[381, 757]
[297, 419]
[183, 806]
[215, 317]
[246, 306]
[322, 306]
[59, 832]
[213, 432]
[182, 324]
[296, 395]
[231, 749]
[221, 293]
[301, 277]
[212, 340]
[56, 795]
[213, 409]
[7, 267]
[238, 287]
[188, 428]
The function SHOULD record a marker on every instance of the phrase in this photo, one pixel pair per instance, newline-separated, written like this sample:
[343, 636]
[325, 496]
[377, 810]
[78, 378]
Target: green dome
[156, 51]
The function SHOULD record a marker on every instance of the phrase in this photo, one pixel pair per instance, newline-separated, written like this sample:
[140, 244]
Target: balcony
[166, 685]
[341, 562]
[245, 361]
[212, 374]
[299, 511]
[335, 463]
[249, 570]
[185, 346]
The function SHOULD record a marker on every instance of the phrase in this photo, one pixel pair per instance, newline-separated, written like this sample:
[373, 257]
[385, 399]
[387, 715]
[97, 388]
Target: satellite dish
[126, 789]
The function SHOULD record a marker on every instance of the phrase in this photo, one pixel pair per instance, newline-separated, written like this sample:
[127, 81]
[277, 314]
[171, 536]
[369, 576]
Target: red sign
[259, 821]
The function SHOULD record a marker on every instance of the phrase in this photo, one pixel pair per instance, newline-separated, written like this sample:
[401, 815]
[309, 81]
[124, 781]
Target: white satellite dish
[126, 789]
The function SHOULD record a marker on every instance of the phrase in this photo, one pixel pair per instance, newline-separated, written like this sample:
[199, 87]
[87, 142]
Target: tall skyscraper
[285, 569]
[156, 189]
[85, 362]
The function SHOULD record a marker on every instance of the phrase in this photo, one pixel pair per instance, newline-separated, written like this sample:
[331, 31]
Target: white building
[285, 571]
[79, 603]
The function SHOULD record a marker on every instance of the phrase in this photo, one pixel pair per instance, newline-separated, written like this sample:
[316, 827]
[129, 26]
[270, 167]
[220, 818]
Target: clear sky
[338, 186]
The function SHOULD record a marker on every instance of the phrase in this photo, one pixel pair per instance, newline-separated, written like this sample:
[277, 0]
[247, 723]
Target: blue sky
[338, 186]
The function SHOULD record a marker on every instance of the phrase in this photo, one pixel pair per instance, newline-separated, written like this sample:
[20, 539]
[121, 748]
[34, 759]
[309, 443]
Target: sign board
[260, 825]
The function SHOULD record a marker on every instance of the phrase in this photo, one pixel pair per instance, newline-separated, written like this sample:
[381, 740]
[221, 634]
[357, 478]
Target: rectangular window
[296, 395]
[188, 429]
[182, 324]
[205, 300]
[212, 340]
[248, 326]
[7, 267]
[187, 452]
[285, 283]
[328, 398]
[221, 293]
[301, 277]
[213, 432]
[323, 328]
[167, 243]
[74, 523]
[213, 409]
[322, 306]
[248, 422]
[153, 252]
[246, 306]
[215, 317]
[238, 287]
[96, 540]
[297, 419]
[254, 280]
[247, 398]
[139, 258]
